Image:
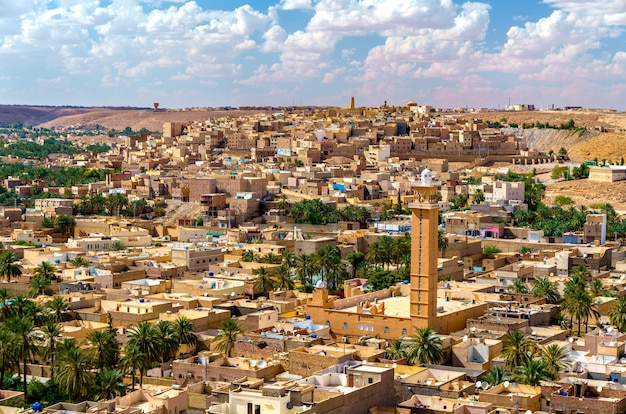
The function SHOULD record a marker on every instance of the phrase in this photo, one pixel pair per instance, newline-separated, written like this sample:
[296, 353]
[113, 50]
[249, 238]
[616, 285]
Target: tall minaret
[352, 102]
[424, 248]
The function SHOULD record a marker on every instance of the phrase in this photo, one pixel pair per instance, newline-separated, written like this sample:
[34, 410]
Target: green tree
[9, 357]
[518, 286]
[185, 331]
[517, 349]
[355, 259]
[617, 314]
[167, 340]
[51, 335]
[59, 309]
[442, 242]
[263, 283]
[396, 349]
[117, 246]
[306, 268]
[597, 288]
[250, 256]
[65, 224]
[555, 359]
[79, 261]
[426, 347]
[22, 329]
[109, 384]
[133, 361]
[9, 266]
[532, 372]
[282, 278]
[459, 202]
[496, 375]
[382, 279]
[227, 335]
[73, 373]
[45, 270]
[145, 336]
[478, 197]
[104, 349]
[544, 288]
[39, 285]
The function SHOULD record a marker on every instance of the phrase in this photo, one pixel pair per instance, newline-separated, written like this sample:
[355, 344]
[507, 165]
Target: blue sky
[446, 53]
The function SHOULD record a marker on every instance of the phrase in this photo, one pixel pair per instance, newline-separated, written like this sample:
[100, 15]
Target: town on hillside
[385, 260]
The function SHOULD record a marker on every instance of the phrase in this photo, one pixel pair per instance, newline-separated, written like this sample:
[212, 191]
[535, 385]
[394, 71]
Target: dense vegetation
[317, 212]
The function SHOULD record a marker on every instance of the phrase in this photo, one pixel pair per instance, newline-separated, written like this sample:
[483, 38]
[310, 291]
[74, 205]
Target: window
[370, 380]
[345, 325]
[361, 327]
[403, 331]
[386, 330]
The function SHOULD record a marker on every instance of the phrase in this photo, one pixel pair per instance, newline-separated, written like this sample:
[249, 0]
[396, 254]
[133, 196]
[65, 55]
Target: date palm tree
[132, 362]
[442, 242]
[517, 350]
[396, 350]
[555, 358]
[167, 339]
[51, 336]
[617, 314]
[5, 304]
[185, 331]
[59, 309]
[544, 288]
[263, 282]
[496, 375]
[282, 278]
[145, 337]
[426, 347]
[39, 285]
[79, 261]
[45, 270]
[9, 266]
[532, 372]
[109, 384]
[518, 286]
[227, 335]
[65, 224]
[22, 328]
[355, 259]
[103, 348]
[73, 373]
[306, 268]
[8, 351]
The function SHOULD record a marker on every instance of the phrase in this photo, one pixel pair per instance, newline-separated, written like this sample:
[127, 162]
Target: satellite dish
[479, 384]
[261, 364]
[622, 277]
[253, 363]
[506, 384]
[465, 338]
[599, 388]
[232, 294]
[485, 385]
[622, 360]
[289, 405]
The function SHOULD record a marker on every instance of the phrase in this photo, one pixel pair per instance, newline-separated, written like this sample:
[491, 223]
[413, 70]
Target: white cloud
[295, 5]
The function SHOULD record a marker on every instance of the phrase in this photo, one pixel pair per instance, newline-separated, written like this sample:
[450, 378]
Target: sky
[209, 53]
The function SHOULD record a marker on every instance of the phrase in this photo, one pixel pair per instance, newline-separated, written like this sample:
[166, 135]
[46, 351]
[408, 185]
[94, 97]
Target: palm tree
[617, 314]
[396, 350]
[167, 339]
[134, 360]
[249, 256]
[65, 224]
[51, 336]
[555, 359]
[544, 288]
[532, 372]
[8, 355]
[289, 259]
[518, 349]
[227, 335]
[109, 384]
[496, 375]
[330, 264]
[45, 270]
[306, 268]
[271, 258]
[39, 285]
[355, 259]
[518, 286]
[103, 348]
[59, 309]
[263, 282]
[581, 271]
[283, 280]
[426, 347]
[5, 310]
[596, 288]
[22, 327]
[478, 196]
[20, 306]
[185, 331]
[79, 261]
[73, 373]
[442, 242]
[9, 265]
[145, 337]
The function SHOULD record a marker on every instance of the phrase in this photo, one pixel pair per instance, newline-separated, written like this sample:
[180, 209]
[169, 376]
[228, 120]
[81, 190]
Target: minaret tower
[424, 232]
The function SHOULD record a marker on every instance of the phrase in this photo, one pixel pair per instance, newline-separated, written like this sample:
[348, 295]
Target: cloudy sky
[444, 53]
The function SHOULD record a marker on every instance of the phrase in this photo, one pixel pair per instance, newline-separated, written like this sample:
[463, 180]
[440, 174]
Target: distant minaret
[424, 249]
[352, 102]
